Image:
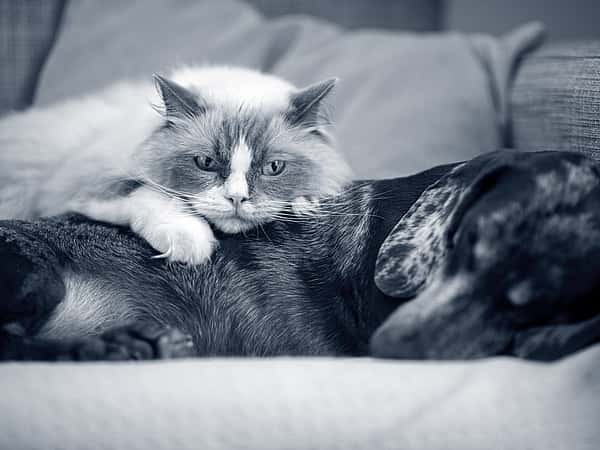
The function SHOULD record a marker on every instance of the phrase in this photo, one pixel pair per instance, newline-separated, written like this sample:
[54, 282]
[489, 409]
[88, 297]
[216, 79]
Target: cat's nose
[236, 200]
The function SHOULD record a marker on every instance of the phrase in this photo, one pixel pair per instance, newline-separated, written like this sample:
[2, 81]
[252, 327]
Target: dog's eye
[205, 163]
[273, 168]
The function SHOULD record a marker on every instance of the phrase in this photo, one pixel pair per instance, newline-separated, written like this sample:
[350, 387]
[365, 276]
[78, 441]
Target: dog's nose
[236, 199]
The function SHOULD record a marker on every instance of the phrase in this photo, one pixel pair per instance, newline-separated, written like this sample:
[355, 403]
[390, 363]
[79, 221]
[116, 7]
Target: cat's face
[242, 167]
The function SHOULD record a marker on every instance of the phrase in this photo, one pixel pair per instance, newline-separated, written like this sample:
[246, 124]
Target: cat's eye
[205, 163]
[273, 168]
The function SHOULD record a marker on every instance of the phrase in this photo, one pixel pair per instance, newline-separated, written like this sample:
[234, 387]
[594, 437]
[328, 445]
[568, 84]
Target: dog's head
[501, 246]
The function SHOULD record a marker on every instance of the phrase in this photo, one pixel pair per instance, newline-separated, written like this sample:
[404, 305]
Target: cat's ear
[179, 103]
[305, 104]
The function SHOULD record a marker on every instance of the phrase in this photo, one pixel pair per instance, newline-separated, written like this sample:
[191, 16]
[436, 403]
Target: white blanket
[303, 403]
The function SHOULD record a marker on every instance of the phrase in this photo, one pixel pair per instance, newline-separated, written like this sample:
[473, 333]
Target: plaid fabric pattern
[27, 30]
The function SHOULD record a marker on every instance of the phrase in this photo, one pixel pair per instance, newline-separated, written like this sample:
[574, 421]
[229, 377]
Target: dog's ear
[416, 247]
[417, 244]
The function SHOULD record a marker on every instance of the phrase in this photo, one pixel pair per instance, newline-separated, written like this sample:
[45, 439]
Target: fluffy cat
[232, 148]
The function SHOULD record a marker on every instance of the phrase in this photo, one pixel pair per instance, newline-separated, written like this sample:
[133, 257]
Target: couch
[413, 100]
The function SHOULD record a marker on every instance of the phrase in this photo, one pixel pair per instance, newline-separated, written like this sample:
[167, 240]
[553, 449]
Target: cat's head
[242, 163]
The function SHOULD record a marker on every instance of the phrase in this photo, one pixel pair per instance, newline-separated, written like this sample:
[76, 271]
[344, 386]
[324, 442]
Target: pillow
[406, 101]
[398, 14]
[555, 101]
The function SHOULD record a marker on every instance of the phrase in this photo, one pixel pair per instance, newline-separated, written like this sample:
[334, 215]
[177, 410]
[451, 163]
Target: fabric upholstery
[418, 15]
[27, 30]
[416, 102]
[302, 403]
[556, 99]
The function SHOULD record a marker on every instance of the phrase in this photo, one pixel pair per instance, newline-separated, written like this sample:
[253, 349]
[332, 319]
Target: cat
[231, 147]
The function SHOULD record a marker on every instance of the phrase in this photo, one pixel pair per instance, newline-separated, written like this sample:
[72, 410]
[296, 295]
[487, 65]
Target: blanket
[302, 404]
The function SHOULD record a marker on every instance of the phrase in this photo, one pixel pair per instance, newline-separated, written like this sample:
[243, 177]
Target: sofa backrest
[27, 31]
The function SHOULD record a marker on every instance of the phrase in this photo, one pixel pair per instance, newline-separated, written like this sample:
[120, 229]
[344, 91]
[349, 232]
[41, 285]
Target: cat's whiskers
[280, 210]
[318, 210]
[146, 179]
[264, 231]
[164, 190]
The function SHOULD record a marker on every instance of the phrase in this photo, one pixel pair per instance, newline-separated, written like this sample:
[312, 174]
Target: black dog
[71, 287]
[509, 263]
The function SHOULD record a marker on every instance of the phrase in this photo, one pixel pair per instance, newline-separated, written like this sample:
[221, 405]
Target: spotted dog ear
[418, 244]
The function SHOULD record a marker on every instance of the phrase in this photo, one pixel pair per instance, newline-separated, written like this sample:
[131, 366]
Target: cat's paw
[188, 240]
[302, 206]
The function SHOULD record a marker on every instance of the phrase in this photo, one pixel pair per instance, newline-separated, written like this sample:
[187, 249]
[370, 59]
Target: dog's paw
[188, 240]
[140, 341]
[134, 342]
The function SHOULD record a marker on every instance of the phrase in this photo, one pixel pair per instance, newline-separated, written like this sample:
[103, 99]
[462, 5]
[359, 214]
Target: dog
[506, 264]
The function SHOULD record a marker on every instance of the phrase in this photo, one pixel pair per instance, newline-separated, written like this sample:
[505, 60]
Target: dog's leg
[133, 342]
[552, 342]
[30, 289]
[30, 286]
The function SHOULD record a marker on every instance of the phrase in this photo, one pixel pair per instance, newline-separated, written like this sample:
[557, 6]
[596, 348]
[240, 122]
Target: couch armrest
[555, 100]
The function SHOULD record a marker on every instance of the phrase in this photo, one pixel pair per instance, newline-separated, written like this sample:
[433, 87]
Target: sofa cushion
[27, 30]
[302, 403]
[556, 99]
[406, 101]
